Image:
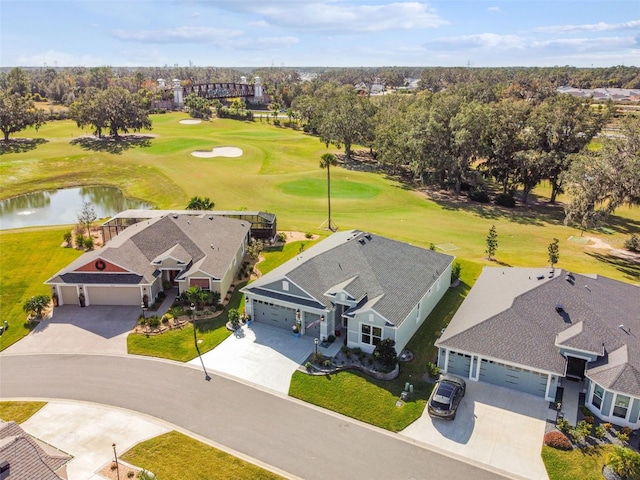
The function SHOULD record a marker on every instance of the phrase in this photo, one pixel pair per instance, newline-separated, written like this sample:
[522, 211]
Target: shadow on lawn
[20, 145]
[115, 145]
[629, 268]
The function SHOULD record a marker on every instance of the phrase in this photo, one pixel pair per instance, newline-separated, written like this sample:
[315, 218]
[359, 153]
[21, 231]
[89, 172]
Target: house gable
[287, 287]
[101, 265]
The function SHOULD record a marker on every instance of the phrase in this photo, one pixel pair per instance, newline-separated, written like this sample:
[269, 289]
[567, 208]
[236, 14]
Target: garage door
[272, 314]
[459, 364]
[69, 295]
[517, 378]
[114, 296]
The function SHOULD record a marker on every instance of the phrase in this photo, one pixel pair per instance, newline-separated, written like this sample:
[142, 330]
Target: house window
[371, 335]
[285, 285]
[598, 392]
[621, 406]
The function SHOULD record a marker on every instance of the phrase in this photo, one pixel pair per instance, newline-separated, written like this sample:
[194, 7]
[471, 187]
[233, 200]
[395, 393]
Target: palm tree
[197, 296]
[326, 161]
[197, 203]
[36, 304]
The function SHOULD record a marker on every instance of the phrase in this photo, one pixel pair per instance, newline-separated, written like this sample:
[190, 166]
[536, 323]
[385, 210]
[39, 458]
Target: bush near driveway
[557, 440]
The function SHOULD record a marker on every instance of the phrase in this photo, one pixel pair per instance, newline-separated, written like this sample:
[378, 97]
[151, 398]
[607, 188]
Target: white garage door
[517, 378]
[114, 296]
[273, 314]
[459, 364]
[69, 295]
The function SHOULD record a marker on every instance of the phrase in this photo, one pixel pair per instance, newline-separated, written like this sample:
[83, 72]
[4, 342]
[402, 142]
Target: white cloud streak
[591, 27]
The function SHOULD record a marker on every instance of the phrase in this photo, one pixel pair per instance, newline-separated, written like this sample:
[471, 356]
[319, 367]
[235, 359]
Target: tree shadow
[111, 144]
[19, 145]
[630, 268]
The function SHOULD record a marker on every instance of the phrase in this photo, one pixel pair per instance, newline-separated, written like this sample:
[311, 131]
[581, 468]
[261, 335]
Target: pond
[61, 207]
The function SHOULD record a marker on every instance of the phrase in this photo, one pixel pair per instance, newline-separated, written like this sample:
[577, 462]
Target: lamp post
[115, 457]
[315, 340]
[193, 320]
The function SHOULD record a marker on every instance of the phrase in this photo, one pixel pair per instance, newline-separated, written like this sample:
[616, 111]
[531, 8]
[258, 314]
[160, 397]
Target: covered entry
[517, 378]
[273, 314]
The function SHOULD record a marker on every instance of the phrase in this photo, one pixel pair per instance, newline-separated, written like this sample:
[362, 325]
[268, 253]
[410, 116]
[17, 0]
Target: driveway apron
[260, 354]
[494, 426]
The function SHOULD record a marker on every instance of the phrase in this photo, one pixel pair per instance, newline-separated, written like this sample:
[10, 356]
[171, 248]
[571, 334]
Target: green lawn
[174, 456]
[372, 401]
[19, 411]
[28, 257]
[178, 344]
[575, 464]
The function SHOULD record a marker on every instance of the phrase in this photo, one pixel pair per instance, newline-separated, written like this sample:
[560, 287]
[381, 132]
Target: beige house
[194, 249]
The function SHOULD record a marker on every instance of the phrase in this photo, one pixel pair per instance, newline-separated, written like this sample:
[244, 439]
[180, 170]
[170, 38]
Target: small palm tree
[327, 161]
[36, 304]
[198, 203]
[197, 296]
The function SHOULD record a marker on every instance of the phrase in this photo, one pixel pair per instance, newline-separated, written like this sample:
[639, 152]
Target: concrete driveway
[71, 329]
[498, 427]
[260, 354]
[87, 432]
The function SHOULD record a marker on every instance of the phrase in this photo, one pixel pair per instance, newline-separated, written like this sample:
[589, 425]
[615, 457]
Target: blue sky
[353, 33]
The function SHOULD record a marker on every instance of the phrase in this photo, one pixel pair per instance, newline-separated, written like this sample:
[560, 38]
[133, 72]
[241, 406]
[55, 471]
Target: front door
[576, 367]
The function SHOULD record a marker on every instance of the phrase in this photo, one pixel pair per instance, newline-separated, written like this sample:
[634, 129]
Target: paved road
[290, 435]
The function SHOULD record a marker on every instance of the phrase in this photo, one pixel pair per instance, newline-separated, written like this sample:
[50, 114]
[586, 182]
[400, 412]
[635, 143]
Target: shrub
[581, 431]
[176, 311]
[307, 365]
[308, 235]
[627, 430]
[456, 268]
[154, 321]
[88, 243]
[331, 338]
[600, 432]
[67, 238]
[625, 462]
[505, 200]
[478, 194]
[632, 243]
[281, 237]
[327, 363]
[557, 440]
[317, 358]
[79, 241]
[563, 425]
[433, 370]
[167, 285]
[356, 351]
[344, 349]
[161, 294]
[588, 419]
[385, 352]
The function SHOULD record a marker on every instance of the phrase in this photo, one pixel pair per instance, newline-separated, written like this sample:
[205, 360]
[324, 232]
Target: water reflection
[61, 207]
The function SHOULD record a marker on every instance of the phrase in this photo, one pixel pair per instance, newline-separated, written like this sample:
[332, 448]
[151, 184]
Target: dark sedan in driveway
[446, 396]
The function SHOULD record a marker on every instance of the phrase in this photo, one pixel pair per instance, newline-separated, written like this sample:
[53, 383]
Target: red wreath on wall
[100, 265]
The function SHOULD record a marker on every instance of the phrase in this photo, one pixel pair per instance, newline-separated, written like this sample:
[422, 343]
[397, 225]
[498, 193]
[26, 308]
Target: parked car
[446, 396]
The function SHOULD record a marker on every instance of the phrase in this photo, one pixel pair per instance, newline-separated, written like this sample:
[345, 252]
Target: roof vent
[242, 224]
[367, 236]
[551, 274]
[540, 277]
[362, 241]
[212, 246]
[625, 329]
[210, 217]
[175, 215]
[559, 308]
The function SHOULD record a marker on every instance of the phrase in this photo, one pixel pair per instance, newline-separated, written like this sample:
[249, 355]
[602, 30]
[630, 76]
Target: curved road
[290, 435]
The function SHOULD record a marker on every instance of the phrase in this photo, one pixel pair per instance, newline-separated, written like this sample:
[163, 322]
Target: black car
[446, 396]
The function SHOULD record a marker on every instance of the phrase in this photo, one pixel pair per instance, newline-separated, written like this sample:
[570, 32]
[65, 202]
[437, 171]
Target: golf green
[317, 188]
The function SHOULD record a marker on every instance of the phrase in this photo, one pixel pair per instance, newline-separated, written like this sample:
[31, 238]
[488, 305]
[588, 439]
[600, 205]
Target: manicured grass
[174, 456]
[19, 411]
[574, 464]
[276, 257]
[372, 401]
[317, 188]
[178, 344]
[28, 257]
[162, 171]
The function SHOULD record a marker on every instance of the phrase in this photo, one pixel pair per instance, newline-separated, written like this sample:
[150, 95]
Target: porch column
[303, 325]
[323, 328]
[547, 396]
[446, 361]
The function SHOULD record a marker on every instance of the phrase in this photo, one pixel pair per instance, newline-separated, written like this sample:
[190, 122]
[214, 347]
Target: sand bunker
[190, 121]
[218, 152]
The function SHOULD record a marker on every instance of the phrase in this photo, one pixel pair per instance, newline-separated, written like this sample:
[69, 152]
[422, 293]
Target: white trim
[446, 360]
[550, 378]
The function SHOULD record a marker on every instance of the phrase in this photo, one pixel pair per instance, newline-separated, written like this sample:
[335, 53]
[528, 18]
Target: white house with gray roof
[532, 329]
[354, 285]
[194, 249]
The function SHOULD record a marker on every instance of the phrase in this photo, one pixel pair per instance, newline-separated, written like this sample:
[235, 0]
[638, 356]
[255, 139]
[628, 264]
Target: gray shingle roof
[398, 273]
[27, 460]
[510, 315]
[211, 242]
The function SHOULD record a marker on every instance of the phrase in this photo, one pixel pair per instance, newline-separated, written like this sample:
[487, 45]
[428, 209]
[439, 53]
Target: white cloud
[337, 17]
[195, 15]
[259, 24]
[494, 9]
[591, 27]
[481, 40]
[264, 43]
[177, 35]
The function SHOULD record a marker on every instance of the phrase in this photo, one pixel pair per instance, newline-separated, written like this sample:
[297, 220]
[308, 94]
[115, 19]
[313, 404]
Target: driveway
[87, 432]
[495, 426]
[260, 354]
[71, 329]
